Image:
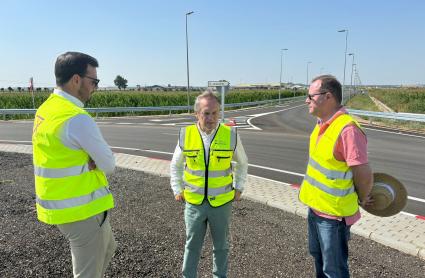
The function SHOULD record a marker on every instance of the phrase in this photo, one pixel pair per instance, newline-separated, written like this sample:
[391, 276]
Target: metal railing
[169, 109]
[388, 115]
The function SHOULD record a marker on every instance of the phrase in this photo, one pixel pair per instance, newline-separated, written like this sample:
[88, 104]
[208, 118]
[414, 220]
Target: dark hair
[330, 84]
[71, 63]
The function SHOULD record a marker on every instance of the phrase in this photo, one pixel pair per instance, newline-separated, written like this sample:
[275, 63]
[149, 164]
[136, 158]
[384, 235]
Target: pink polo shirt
[351, 147]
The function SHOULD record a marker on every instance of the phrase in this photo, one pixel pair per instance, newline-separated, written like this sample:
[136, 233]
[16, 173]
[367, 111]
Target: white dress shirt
[240, 167]
[82, 133]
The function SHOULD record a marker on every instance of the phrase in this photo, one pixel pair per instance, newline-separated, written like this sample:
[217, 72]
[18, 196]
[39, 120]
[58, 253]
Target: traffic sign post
[222, 86]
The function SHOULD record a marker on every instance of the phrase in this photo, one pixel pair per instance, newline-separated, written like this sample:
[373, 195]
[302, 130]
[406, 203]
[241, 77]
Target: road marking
[276, 170]
[268, 113]
[416, 199]
[15, 141]
[141, 150]
[281, 182]
[396, 133]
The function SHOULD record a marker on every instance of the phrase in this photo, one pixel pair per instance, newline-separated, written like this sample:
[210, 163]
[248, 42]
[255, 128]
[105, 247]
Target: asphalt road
[275, 139]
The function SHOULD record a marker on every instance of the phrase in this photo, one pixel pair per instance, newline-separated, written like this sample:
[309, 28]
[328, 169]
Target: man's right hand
[179, 197]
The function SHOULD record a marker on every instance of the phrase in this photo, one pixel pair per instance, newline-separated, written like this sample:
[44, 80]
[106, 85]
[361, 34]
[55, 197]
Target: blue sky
[239, 40]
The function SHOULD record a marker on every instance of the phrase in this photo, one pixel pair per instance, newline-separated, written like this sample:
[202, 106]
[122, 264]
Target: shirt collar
[69, 97]
[205, 134]
[341, 111]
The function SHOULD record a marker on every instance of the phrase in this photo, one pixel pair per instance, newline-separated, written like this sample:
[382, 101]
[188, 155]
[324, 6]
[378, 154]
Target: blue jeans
[196, 219]
[328, 244]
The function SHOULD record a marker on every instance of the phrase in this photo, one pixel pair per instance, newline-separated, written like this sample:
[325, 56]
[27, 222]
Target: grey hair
[206, 94]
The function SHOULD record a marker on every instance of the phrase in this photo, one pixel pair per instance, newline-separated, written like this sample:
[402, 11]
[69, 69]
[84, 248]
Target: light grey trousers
[92, 245]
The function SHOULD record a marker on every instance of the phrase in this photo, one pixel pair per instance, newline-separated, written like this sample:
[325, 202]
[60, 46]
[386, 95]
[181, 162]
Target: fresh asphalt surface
[276, 144]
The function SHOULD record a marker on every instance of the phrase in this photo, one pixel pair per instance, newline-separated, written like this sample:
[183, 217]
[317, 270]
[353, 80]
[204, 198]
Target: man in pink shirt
[338, 178]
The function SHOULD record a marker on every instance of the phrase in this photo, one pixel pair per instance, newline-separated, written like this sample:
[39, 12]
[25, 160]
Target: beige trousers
[92, 245]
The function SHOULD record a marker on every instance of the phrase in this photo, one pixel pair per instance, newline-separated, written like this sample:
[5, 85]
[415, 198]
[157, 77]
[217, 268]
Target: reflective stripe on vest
[211, 174]
[211, 191]
[331, 174]
[60, 172]
[333, 191]
[73, 202]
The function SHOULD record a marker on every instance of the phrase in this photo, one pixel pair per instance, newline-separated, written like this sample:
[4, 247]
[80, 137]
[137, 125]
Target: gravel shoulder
[149, 228]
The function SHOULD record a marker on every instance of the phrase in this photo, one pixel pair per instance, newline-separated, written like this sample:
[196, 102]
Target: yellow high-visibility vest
[212, 179]
[328, 183]
[66, 190]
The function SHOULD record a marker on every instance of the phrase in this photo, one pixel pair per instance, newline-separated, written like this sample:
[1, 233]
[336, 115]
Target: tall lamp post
[306, 83]
[351, 79]
[345, 60]
[281, 66]
[187, 64]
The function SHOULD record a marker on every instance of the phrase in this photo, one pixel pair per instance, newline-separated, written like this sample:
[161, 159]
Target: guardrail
[96, 111]
[388, 115]
[169, 109]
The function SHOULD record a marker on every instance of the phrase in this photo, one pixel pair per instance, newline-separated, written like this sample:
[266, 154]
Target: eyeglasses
[95, 81]
[310, 97]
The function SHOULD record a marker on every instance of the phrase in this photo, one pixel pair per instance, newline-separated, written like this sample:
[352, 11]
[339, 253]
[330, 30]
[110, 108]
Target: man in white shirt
[202, 175]
[71, 159]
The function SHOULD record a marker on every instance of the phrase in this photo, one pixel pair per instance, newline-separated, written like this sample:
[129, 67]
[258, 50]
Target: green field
[361, 102]
[410, 100]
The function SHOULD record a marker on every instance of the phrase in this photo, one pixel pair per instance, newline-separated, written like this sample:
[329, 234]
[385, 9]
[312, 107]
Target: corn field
[137, 99]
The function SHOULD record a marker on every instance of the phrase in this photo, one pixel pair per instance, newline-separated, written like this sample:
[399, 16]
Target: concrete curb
[401, 232]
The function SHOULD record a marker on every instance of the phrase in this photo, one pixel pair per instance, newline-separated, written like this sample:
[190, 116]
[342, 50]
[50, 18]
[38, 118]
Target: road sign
[217, 83]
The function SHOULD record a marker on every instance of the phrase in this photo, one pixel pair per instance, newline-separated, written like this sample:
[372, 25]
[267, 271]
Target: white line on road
[268, 113]
[276, 170]
[416, 199]
[281, 182]
[15, 141]
[396, 133]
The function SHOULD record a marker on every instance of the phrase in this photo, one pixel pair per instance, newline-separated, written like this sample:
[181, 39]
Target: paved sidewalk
[401, 232]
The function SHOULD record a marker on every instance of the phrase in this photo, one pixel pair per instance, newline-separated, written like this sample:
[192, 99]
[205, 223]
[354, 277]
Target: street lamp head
[189, 13]
[284, 49]
[341, 31]
[350, 54]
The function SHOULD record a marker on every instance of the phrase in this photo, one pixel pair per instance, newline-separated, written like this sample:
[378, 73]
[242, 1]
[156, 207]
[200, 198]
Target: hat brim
[400, 198]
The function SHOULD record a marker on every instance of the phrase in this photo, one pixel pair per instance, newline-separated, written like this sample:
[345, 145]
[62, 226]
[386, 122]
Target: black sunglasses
[94, 80]
[310, 97]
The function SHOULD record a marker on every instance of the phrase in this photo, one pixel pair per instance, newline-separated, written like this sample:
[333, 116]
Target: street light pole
[187, 64]
[351, 79]
[306, 83]
[345, 60]
[281, 66]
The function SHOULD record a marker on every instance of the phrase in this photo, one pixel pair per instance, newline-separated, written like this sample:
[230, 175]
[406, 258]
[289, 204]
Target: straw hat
[389, 195]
